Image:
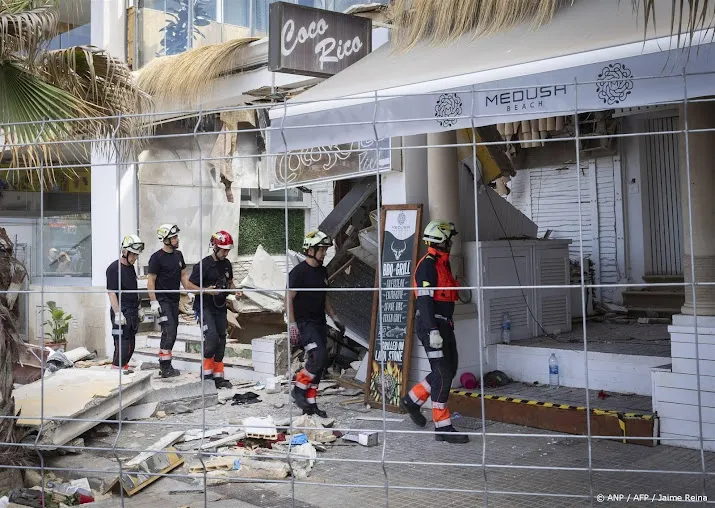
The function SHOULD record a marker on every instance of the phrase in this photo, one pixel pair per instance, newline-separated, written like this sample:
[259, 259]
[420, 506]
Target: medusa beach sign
[333, 162]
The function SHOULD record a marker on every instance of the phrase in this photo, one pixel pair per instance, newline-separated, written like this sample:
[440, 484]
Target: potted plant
[60, 323]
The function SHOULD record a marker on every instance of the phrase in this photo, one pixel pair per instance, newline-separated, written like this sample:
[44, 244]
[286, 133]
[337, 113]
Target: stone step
[235, 368]
[653, 299]
[637, 312]
[663, 279]
[191, 344]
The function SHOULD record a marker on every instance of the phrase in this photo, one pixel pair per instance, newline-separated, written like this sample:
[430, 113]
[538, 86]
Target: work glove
[294, 334]
[340, 326]
[119, 319]
[155, 308]
[435, 339]
[141, 315]
[231, 298]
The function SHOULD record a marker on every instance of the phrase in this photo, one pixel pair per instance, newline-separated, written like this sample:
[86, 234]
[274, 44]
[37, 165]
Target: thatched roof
[186, 77]
[442, 22]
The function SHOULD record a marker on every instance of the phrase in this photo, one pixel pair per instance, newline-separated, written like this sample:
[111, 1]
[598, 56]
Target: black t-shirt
[129, 282]
[217, 273]
[167, 267]
[309, 305]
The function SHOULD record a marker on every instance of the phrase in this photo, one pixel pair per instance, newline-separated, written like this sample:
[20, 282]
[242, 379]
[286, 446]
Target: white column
[443, 186]
[410, 185]
[702, 184]
[114, 214]
[109, 19]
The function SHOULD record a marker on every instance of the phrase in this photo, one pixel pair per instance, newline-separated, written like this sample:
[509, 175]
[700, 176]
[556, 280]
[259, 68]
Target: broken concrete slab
[78, 396]
[188, 405]
[181, 387]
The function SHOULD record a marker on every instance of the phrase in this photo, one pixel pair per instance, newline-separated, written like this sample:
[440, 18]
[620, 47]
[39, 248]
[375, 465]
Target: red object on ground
[468, 380]
[603, 395]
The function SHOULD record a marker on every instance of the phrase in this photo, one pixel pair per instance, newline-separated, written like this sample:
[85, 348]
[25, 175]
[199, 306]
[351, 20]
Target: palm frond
[34, 113]
[73, 96]
[686, 18]
[103, 81]
[25, 25]
[441, 22]
[187, 76]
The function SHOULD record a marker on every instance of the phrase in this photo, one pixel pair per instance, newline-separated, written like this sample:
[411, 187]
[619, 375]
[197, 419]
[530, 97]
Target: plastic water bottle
[506, 329]
[553, 371]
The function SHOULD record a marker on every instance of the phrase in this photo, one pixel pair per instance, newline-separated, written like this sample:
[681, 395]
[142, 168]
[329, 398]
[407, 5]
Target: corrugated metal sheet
[665, 222]
[549, 196]
[554, 204]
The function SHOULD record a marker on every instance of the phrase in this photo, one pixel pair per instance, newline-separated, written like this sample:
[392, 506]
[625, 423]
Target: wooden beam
[568, 421]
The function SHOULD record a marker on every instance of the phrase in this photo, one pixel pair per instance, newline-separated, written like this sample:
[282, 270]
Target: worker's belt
[449, 321]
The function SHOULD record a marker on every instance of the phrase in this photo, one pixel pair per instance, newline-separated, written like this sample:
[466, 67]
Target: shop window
[274, 199]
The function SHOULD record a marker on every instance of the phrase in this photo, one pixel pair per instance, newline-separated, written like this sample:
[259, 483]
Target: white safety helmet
[439, 231]
[316, 239]
[167, 231]
[132, 243]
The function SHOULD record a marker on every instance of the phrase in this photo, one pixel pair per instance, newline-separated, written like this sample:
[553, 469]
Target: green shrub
[266, 226]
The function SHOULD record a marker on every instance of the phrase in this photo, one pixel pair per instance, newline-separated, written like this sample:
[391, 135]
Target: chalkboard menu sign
[393, 315]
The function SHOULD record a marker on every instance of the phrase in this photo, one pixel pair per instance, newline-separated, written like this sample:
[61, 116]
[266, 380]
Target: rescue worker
[308, 327]
[435, 329]
[166, 273]
[124, 311]
[214, 272]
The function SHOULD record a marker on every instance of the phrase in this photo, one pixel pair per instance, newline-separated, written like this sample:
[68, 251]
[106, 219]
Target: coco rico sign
[315, 42]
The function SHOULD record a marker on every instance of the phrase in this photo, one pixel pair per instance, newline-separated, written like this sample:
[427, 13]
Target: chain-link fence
[586, 252]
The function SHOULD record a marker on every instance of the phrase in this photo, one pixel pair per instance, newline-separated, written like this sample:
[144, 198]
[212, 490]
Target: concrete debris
[362, 438]
[260, 428]
[73, 394]
[84, 364]
[160, 414]
[228, 440]
[378, 419]
[78, 354]
[103, 430]
[654, 321]
[313, 428]
[197, 434]
[608, 308]
[140, 411]
[161, 459]
[301, 459]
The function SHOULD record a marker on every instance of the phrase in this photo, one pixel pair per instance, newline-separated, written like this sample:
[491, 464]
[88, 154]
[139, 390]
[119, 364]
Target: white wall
[606, 371]
[173, 188]
[87, 327]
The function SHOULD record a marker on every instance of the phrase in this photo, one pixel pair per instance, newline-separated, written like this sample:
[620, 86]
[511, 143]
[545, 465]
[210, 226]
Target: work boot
[222, 383]
[414, 411]
[451, 436]
[166, 370]
[300, 400]
[314, 410]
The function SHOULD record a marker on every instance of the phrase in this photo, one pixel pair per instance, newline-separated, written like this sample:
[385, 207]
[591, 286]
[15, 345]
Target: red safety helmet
[222, 240]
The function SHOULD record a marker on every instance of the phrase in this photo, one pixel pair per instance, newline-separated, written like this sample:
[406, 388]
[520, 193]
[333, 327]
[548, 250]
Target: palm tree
[43, 93]
[441, 22]
[52, 103]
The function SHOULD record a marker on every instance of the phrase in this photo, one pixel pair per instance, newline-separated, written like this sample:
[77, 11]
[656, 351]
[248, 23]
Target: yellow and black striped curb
[594, 411]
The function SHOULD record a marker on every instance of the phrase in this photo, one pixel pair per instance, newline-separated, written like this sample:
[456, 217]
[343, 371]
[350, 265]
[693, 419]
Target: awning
[591, 57]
